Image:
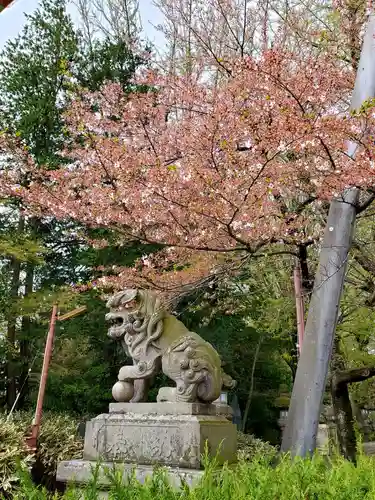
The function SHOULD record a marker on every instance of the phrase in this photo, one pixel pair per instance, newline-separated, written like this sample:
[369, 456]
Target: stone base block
[171, 434]
[214, 409]
[80, 472]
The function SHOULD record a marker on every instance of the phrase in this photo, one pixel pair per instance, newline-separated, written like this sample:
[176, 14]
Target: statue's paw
[166, 395]
[123, 374]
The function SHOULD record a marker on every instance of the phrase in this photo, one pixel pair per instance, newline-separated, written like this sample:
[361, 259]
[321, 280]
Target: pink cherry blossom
[210, 172]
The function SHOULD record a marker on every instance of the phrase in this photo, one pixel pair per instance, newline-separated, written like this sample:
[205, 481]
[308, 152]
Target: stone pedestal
[138, 436]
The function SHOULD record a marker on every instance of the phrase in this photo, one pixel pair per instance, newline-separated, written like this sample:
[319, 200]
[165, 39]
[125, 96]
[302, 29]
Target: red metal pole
[31, 441]
[4, 3]
[299, 307]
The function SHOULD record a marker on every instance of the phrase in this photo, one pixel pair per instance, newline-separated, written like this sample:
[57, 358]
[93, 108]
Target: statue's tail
[227, 381]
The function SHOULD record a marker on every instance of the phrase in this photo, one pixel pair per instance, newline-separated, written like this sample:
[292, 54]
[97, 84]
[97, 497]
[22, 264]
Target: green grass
[315, 479]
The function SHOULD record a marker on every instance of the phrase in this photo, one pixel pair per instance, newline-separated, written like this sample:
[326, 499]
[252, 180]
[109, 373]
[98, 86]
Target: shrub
[13, 453]
[57, 441]
[250, 447]
[314, 479]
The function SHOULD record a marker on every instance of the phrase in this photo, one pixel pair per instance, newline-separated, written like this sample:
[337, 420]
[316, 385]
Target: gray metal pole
[299, 436]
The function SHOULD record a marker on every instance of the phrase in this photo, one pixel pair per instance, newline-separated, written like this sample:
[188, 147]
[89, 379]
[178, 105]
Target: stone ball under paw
[123, 391]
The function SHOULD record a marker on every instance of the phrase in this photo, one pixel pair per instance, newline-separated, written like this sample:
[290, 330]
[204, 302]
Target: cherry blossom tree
[219, 30]
[214, 175]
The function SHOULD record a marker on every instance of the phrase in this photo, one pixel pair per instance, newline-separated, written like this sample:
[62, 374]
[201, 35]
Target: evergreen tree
[39, 72]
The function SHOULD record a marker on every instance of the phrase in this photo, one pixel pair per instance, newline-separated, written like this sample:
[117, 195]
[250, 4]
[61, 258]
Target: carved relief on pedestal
[152, 442]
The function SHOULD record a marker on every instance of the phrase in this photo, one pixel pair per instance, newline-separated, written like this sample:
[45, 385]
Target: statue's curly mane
[152, 312]
[147, 325]
[149, 305]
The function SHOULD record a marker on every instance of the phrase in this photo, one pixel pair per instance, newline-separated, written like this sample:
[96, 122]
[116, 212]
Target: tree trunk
[11, 338]
[341, 405]
[343, 413]
[11, 386]
[303, 417]
[25, 338]
[303, 262]
[343, 410]
[250, 395]
[362, 425]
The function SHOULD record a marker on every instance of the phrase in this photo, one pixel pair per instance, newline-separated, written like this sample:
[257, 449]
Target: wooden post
[31, 441]
[300, 309]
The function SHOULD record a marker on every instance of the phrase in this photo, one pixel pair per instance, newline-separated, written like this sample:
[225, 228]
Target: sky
[12, 19]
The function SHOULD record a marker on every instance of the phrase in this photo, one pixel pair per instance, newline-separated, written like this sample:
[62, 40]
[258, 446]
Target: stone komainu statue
[157, 341]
